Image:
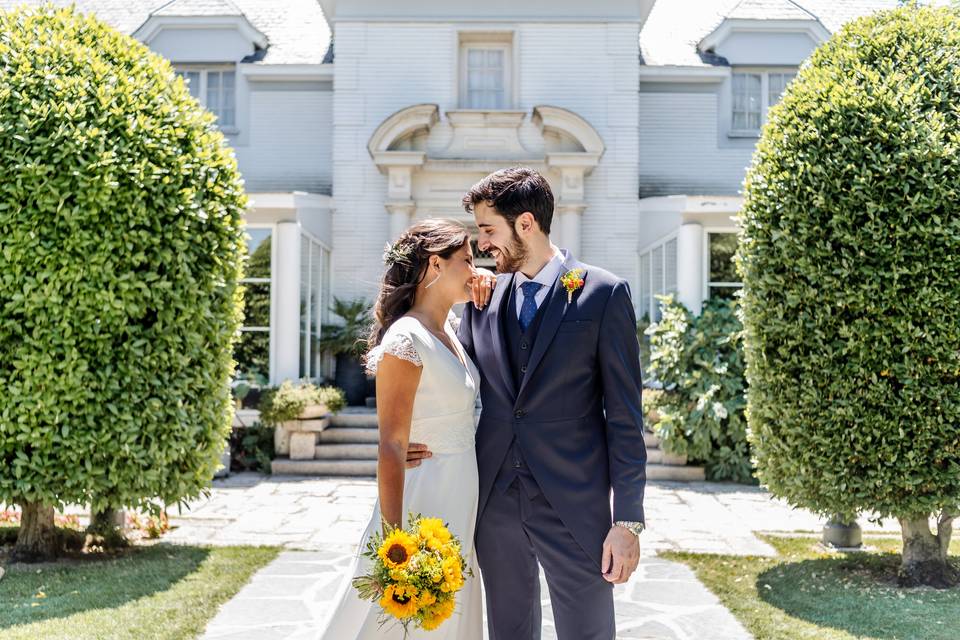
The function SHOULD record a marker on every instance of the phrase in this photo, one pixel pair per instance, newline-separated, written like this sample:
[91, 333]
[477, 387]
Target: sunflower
[435, 615]
[433, 532]
[397, 549]
[452, 573]
[400, 600]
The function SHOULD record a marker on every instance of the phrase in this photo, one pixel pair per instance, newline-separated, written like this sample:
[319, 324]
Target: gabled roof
[198, 8]
[675, 27]
[296, 29]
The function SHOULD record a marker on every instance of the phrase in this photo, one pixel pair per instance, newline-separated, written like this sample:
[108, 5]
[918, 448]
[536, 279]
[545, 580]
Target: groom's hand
[483, 286]
[415, 453]
[621, 555]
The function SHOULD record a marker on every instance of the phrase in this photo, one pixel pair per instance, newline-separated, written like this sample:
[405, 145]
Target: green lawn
[808, 594]
[164, 591]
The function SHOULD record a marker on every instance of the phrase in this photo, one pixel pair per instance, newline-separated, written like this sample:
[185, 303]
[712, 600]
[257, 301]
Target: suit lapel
[553, 315]
[497, 308]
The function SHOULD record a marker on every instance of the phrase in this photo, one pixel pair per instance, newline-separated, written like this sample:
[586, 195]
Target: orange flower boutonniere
[572, 281]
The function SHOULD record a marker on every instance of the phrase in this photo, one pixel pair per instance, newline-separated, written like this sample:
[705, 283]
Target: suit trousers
[516, 530]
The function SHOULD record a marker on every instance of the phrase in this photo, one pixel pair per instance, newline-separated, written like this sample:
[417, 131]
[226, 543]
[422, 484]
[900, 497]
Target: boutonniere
[572, 281]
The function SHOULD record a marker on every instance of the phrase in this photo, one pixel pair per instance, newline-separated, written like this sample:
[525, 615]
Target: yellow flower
[400, 600]
[397, 549]
[451, 551]
[426, 599]
[433, 533]
[439, 612]
[453, 576]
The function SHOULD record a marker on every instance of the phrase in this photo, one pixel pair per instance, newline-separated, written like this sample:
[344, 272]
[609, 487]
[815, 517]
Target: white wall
[381, 68]
[681, 150]
[286, 145]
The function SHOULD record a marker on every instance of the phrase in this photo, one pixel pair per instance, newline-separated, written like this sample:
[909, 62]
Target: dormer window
[754, 92]
[485, 70]
[215, 88]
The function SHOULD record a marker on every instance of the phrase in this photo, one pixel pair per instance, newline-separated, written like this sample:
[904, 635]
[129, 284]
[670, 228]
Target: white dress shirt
[546, 277]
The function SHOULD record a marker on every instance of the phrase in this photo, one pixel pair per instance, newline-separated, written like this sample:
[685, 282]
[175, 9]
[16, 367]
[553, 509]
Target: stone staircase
[348, 447]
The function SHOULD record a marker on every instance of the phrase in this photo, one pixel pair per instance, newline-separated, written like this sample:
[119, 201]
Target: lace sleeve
[397, 345]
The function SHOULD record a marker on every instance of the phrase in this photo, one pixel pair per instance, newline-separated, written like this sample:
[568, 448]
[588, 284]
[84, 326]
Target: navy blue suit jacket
[577, 415]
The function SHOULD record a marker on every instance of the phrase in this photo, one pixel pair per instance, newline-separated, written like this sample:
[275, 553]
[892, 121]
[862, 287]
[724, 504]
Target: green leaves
[850, 258]
[699, 362]
[117, 301]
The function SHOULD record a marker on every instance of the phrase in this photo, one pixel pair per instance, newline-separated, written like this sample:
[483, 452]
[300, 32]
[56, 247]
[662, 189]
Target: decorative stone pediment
[429, 160]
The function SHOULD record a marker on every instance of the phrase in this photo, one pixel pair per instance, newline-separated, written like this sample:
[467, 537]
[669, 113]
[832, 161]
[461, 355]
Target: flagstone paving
[319, 522]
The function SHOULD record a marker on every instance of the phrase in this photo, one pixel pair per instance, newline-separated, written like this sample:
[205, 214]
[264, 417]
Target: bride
[426, 393]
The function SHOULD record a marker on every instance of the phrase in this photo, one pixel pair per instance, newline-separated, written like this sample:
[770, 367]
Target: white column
[286, 279]
[570, 219]
[401, 214]
[690, 266]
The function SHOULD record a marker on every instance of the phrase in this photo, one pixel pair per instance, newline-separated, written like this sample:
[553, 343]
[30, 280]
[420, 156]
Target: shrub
[120, 212]
[279, 404]
[850, 258]
[699, 362]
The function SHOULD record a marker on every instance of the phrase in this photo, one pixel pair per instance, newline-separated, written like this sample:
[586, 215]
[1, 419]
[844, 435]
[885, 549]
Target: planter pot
[842, 535]
[313, 411]
[225, 459]
[352, 378]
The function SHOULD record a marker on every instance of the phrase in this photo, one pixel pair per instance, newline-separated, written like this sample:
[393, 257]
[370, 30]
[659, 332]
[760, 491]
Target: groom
[561, 424]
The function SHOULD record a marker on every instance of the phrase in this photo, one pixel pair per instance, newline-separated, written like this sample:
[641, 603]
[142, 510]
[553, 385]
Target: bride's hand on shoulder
[483, 286]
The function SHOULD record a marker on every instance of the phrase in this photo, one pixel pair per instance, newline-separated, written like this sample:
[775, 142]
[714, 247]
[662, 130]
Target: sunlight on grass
[164, 592]
[808, 594]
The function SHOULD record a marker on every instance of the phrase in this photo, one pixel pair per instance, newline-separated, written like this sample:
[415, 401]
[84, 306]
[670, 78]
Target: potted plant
[296, 412]
[347, 342]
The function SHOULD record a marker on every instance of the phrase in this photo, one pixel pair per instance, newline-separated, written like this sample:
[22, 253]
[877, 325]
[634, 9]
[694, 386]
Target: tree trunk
[107, 528]
[925, 553]
[38, 540]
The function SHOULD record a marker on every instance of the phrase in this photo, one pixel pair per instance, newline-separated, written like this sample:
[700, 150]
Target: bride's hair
[407, 261]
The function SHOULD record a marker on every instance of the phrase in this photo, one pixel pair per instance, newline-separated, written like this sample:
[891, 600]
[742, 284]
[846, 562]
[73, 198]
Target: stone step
[346, 452]
[675, 473]
[652, 441]
[355, 468]
[348, 435]
[355, 418]
[659, 456]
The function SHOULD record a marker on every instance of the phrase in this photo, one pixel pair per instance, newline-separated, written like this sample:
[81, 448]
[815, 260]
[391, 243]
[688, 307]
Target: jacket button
[523, 368]
[523, 345]
[520, 413]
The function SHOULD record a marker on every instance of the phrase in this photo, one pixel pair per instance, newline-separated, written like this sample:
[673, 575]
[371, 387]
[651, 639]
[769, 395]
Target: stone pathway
[320, 521]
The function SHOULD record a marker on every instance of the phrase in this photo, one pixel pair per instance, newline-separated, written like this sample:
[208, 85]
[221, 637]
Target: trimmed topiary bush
[120, 218]
[699, 362]
[850, 258]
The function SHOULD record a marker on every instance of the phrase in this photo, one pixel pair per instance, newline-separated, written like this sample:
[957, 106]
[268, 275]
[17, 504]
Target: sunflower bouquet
[416, 573]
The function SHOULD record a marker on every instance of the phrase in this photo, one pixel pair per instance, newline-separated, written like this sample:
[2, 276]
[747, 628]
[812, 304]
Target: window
[754, 92]
[485, 71]
[722, 278]
[658, 276]
[252, 351]
[215, 88]
[314, 304]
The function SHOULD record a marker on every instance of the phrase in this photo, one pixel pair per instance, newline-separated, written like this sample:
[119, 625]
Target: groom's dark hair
[511, 192]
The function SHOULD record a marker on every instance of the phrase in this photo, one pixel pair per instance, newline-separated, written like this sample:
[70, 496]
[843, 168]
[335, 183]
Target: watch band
[633, 527]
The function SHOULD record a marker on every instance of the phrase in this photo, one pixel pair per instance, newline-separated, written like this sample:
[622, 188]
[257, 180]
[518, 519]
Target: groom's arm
[619, 362]
[464, 334]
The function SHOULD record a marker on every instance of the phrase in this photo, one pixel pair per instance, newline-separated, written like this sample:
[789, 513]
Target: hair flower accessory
[396, 253]
[572, 281]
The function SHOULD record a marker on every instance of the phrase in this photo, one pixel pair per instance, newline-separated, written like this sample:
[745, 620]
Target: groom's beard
[511, 258]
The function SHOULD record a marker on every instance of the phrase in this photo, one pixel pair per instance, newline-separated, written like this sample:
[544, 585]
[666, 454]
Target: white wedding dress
[443, 486]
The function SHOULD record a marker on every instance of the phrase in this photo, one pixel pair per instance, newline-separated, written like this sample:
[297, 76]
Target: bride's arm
[397, 382]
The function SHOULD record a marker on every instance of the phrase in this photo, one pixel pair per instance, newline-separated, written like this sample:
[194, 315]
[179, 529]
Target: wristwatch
[633, 527]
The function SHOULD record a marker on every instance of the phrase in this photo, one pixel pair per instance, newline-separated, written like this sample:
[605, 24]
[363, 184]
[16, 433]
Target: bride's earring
[432, 282]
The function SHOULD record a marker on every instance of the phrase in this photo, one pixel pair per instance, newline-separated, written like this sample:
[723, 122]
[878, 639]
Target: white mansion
[351, 118]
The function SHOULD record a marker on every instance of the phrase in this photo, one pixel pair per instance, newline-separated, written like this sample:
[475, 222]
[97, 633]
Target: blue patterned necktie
[528, 310]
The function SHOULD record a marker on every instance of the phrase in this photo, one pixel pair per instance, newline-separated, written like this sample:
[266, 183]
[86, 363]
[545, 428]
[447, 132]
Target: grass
[160, 591]
[811, 595]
